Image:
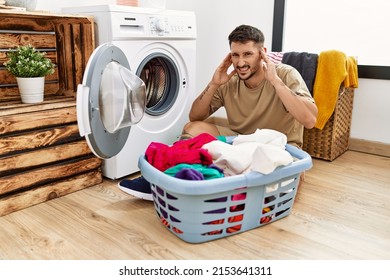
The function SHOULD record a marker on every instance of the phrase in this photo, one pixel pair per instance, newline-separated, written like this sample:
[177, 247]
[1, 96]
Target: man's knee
[192, 129]
[188, 127]
[186, 132]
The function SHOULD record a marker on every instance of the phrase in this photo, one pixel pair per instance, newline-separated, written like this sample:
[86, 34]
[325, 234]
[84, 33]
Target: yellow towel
[331, 72]
[351, 80]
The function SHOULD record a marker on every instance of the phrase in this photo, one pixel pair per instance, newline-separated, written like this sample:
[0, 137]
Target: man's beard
[247, 78]
[252, 73]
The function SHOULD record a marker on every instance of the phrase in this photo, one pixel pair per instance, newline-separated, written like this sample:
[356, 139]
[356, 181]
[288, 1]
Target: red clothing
[188, 151]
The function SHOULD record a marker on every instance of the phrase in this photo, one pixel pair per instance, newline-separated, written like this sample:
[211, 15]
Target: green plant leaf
[26, 61]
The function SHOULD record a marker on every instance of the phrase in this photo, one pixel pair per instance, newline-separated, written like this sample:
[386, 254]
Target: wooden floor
[342, 211]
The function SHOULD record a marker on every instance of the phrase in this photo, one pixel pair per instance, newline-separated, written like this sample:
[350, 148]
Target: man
[256, 94]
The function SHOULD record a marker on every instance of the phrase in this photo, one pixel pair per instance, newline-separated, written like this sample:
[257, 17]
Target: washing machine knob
[161, 25]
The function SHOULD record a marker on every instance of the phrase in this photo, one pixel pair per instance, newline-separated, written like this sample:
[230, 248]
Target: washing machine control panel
[170, 27]
[159, 25]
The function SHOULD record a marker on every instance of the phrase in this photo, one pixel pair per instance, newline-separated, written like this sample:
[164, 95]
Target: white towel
[262, 152]
[231, 159]
[265, 136]
[268, 157]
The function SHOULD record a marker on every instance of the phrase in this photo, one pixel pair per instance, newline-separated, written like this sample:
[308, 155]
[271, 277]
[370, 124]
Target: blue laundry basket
[200, 211]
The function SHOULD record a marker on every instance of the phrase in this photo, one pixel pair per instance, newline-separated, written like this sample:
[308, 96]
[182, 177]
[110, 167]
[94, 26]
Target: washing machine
[158, 47]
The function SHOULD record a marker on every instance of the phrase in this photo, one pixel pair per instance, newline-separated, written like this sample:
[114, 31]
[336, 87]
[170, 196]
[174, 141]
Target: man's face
[245, 58]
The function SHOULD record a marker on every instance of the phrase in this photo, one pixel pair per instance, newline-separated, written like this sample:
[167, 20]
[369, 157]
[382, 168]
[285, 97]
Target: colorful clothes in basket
[188, 151]
[195, 171]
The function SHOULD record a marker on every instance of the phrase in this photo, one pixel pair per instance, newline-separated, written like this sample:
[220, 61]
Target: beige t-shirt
[249, 109]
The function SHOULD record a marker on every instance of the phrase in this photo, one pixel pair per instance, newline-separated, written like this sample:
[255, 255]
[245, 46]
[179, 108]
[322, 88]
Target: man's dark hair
[245, 33]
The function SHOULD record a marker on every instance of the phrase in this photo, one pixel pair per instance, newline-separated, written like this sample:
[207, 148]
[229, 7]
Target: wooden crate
[333, 140]
[42, 155]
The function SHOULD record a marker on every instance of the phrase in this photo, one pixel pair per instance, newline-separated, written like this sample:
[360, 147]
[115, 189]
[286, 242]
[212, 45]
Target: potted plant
[29, 66]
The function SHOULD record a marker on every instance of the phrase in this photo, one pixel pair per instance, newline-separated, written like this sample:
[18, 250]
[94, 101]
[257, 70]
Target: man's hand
[269, 68]
[221, 75]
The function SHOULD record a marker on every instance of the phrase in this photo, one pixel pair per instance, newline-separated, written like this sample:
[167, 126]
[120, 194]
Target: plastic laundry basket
[200, 211]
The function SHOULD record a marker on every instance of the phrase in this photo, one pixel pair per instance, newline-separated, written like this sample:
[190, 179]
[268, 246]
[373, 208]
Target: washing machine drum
[110, 100]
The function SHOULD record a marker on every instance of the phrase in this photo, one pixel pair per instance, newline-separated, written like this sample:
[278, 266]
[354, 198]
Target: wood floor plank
[341, 212]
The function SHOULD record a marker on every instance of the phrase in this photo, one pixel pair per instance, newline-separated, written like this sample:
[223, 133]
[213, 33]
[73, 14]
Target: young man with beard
[256, 94]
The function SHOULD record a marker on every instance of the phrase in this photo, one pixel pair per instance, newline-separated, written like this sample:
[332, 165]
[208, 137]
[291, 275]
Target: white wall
[359, 28]
[371, 111]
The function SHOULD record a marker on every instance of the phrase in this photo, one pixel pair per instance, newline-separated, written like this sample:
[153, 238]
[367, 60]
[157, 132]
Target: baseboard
[370, 147]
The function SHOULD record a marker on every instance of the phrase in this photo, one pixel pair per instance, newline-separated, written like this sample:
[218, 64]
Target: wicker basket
[333, 139]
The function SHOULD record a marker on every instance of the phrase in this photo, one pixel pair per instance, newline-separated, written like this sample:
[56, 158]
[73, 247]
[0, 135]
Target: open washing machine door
[110, 100]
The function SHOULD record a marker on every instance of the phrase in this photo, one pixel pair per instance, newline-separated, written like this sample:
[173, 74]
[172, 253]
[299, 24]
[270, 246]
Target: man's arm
[200, 109]
[302, 109]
